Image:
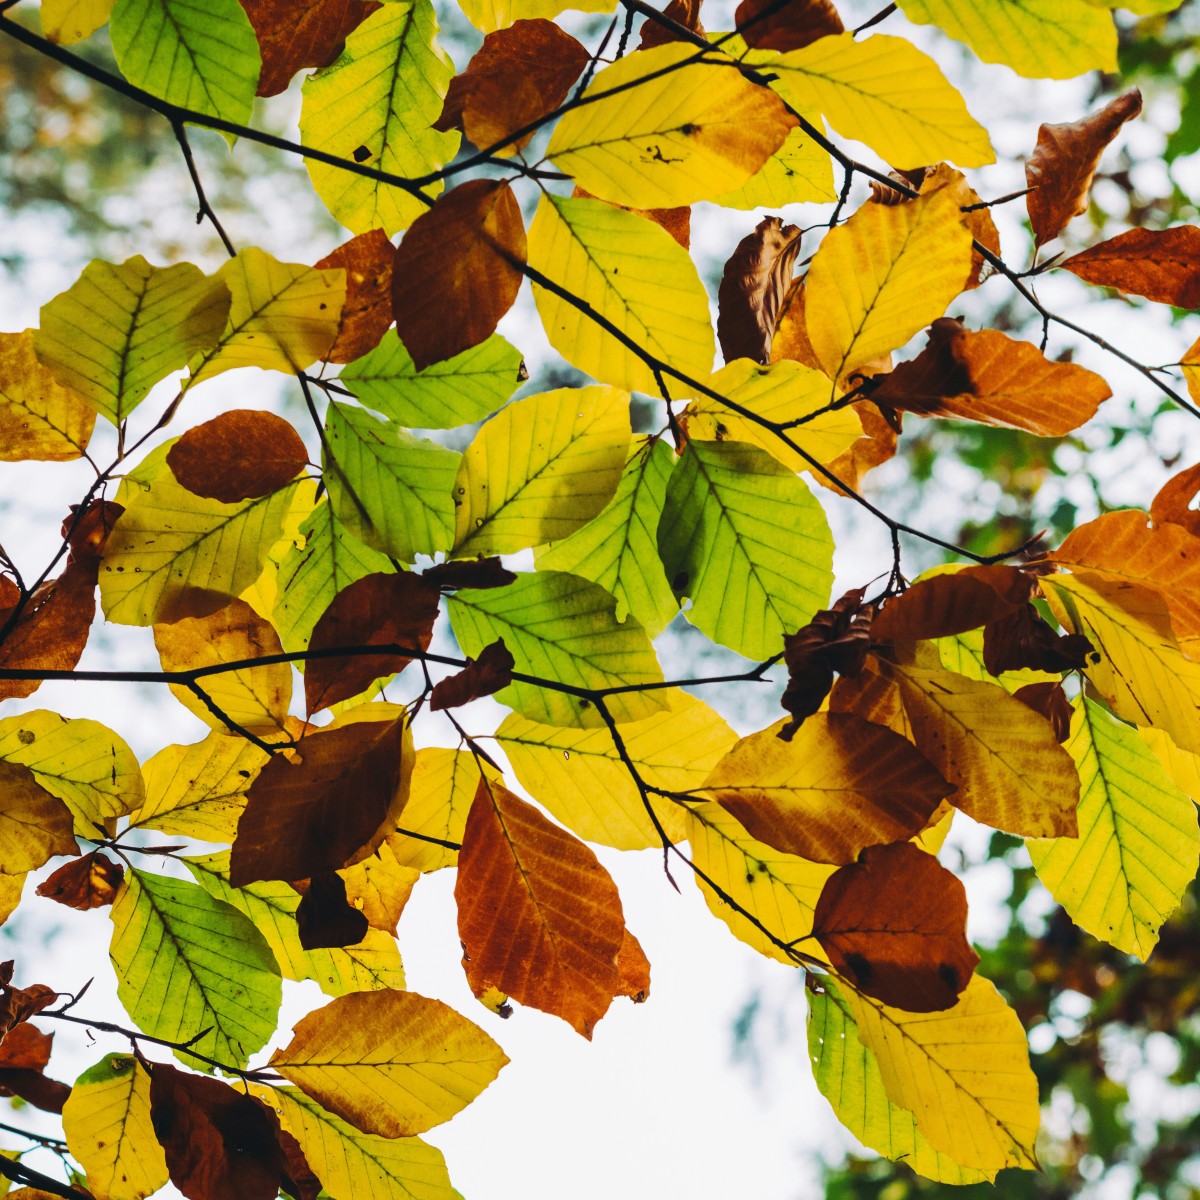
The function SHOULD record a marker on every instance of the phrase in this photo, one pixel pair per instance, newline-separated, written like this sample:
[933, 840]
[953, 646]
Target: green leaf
[1138, 846]
[563, 629]
[618, 548]
[457, 391]
[375, 105]
[115, 332]
[189, 964]
[371, 964]
[392, 490]
[747, 541]
[198, 54]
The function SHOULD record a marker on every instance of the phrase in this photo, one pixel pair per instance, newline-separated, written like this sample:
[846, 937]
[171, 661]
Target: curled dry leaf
[792, 25]
[367, 314]
[993, 379]
[482, 676]
[676, 221]
[1160, 264]
[470, 573]
[1062, 165]
[880, 441]
[454, 276]
[17, 1005]
[682, 12]
[753, 285]
[1051, 701]
[326, 918]
[953, 603]
[1170, 505]
[517, 77]
[24, 1054]
[84, 883]
[1022, 639]
[240, 455]
[895, 924]
[790, 339]
[86, 533]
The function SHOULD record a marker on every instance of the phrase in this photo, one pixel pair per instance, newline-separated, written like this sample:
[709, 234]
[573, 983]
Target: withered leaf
[1160, 264]
[294, 34]
[676, 221]
[17, 1005]
[378, 610]
[1022, 639]
[753, 285]
[682, 12]
[84, 883]
[895, 924]
[329, 810]
[453, 277]
[792, 25]
[1051, 701]
[790, 339]
[880, 441]
[86, 533]
[470, 573]
[1170, 505]
[872, 695]
[25, 1047]
[517, 77]
[953, 603]
[993, 379]
[24, 1054]
[239, 455]
[326, 918]
[482, 676]
[1062, 165]
[633, 970]
[367, 314]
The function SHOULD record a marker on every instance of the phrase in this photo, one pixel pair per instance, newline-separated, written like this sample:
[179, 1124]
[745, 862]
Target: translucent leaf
[39, 418]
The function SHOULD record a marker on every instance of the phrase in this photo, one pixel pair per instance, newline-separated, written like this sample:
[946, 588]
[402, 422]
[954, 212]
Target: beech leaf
[1160, 264]
[752, 287]
[367, 260]
[482, 676]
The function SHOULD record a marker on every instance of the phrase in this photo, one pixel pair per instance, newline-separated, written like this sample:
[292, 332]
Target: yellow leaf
[882, 91]
[11, 887]
[963, 1073]
[578, 776]
[539, 469]
[106, 1120]
[69, 21]
[1182, 767]
[490, 15]
[391, 1063]
[34, 825]
[695, 132]
[631, 272]
[885, 274]
[379, 886]
[39, 418]
[799, 172]
[282, 317]
[1138, 846]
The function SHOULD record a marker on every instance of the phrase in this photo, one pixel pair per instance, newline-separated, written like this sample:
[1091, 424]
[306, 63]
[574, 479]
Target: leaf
[107, 1125]
[952, 603]
[800, 171]
[120, 329]
[391, 1063]
[746, 540]
[379, 887]
[240, 455]
[370, 760]
[578, 775]
[202, 56]
[392, 490]
[84, 883]
[35, 825]
[779, 890]
[459, 391]
[490, 15]
[483, 676]
[682, 12]
[70, 21]
[753, 284]
[993, 379]
[849, 1076]
[696, 132]
[325, 917]
[885, 92]
[1062, 165]
[1160, 264]
[1138, 846]
[538, 916]
[561, 628]
[618, 547]
[631, 273]
[39, 418]
[375, 105]
[1039, 39]
[282, 316]
[367, 260]
[882, 276]
[1170, 504]
[189, 966]
[540, 469]
[894, 924]
[839, 785]
[517, 77]
[791, 26]
[294, 36]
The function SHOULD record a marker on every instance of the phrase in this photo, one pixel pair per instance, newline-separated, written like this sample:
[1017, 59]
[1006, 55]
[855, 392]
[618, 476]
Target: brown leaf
[676, 221]
[682, 12]
[378, 610]
[880, 441]
[993, 379]
[1160, 264]
[367, 260]
[840, 784]
[26, 1048]
[538, 916]
[753, 285]
[1061, 167]
[329, 810]
[633, 970]
[482, 676]
[979, 221]
[50, 1095]
[17, 1005]
[873, 696]
[895, 924]
[788, 26]
[24, 1053]
[294, 34]
[470, 573]
[518, 76]
[1022, 639]
[453, 277]
[239, 455]
[790, 339]
[1051, 701]
[953, 603]
[1170, 505]
[84, 883]
[35, 824]
[326, 918]
[86, 535]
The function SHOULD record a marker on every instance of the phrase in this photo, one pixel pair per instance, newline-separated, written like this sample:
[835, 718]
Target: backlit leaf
[800, 171]
[490, 15]
[753, 284]
[367, 260]
[69, 21]
[789, 27]
[239, 455]
[1160, 264]
[39, 418]
[35, 824]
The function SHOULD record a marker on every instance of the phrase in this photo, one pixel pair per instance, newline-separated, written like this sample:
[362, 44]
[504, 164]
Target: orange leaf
[682, 12]
[239, 455]
[633, 970]
[538, 916]
[1160, 264]
[453, 278]
[753, 285]
[880, 441]
[953, 603]
[1051, 701]
[84, 883]
[482, 676]
[87, 534]
[1170, 505]
[895, 925]
[26, 1048]
[367, 313]
[769, 25]
[790, 339]
[1061, 167]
